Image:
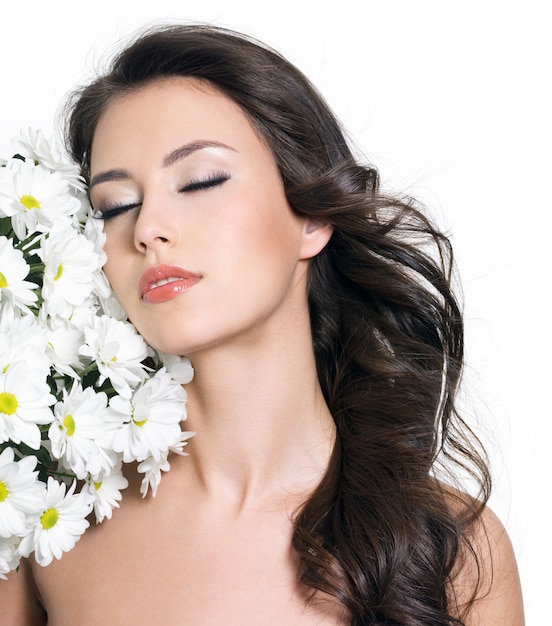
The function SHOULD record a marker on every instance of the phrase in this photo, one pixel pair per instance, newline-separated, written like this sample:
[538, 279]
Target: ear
[316, 235]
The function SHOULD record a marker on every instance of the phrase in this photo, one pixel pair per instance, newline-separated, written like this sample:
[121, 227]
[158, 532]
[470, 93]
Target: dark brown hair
[380, 534]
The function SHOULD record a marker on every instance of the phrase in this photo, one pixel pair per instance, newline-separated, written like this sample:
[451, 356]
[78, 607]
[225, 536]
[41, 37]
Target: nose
[154, 227]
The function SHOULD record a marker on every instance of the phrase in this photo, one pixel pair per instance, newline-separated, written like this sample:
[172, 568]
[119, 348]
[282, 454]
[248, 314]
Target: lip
[154, 289]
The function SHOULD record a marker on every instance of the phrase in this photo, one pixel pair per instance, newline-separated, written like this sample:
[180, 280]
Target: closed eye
[109, 212]
[198, 184]
[195, 184]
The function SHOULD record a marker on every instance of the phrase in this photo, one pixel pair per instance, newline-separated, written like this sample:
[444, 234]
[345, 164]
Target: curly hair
[379, 534]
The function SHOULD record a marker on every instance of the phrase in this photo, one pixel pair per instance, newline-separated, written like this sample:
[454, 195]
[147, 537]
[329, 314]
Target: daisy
[63, 346]
[33, 145]
[93, 231]
[25, 399]
[9, 556]
[34, 197]
[150, 421]
[22, 339]
[109, 303]
[179, 367]
[61, 523]
[106, 492]
[152, 473]
[152, 469]
[77, 431]
[118, 351]
[70, 263]
[14, 289]
[19, 493]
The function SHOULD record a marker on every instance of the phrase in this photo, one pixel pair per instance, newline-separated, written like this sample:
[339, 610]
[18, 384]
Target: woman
[327, 349]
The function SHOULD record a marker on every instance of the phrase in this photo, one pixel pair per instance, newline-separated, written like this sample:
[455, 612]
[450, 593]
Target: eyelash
[196, 184]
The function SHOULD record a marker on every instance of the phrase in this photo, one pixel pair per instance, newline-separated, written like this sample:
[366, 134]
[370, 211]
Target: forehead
[165, 112]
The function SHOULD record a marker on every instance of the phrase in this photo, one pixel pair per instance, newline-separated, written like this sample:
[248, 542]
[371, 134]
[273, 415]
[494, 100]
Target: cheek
[263, 222]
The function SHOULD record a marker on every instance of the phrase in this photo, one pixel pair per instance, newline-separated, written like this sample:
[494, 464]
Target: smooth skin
[185, 181]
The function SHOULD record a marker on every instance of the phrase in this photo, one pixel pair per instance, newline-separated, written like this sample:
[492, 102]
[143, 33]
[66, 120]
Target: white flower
[152, 473]
[106, 492]
[179, 367]
[63, 346]
[78, 430]
[93, 231]
[19, 494]
[24, 404]
[66, 345]
[118, 350]
[9, 556]
[81, 316]
[70, 263]
[152, 469]
[61, 523]
[150, 421]
[22, 339]
[14, 289]
[33, 145]
[34, 197]
[109, 303]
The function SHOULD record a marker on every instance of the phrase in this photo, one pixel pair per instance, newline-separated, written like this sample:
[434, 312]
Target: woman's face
[202, 246]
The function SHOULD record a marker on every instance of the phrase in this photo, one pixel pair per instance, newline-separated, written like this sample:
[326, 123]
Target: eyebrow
[176, 155]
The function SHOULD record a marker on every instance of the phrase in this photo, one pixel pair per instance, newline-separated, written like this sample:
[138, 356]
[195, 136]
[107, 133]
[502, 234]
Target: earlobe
[315, 237]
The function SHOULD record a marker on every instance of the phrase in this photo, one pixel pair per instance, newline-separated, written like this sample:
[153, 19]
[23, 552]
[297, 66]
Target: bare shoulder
[490, 563]
[19, 599]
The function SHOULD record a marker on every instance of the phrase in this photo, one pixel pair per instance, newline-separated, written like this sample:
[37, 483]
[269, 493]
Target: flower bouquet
[81, 393]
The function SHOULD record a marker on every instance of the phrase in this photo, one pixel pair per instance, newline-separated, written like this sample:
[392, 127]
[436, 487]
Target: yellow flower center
[69, 424]
[8, 403]
[138, 423]
[29, 202]
[3, 281]
[59, 272]
[4, 493]
[49, 519]
[97, 485]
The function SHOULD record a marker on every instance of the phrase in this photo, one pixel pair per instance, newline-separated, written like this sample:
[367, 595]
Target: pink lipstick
[165, 282]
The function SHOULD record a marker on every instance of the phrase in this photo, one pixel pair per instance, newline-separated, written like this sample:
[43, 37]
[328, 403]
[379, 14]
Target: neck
[263, 427]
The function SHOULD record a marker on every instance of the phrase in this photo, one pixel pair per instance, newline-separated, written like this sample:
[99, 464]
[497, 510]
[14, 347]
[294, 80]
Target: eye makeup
[207, 182]
[201, 183]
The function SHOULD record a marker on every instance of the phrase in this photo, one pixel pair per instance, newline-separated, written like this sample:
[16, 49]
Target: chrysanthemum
[22, 339]
[118, 351]
[25, 399]
[77, 432]
[61, 523]
[93, 231]
[179, 367]
[152, 473]
[20, 492]
[150, 421]
[64, 341]
[152, 468]
[14, 289]
[34, 197]
[70, 262]
[106, 492]
[33, 145]
[9, 556]
[107, 299]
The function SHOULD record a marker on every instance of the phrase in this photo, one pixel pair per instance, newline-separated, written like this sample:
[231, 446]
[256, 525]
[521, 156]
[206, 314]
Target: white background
[451, 100]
